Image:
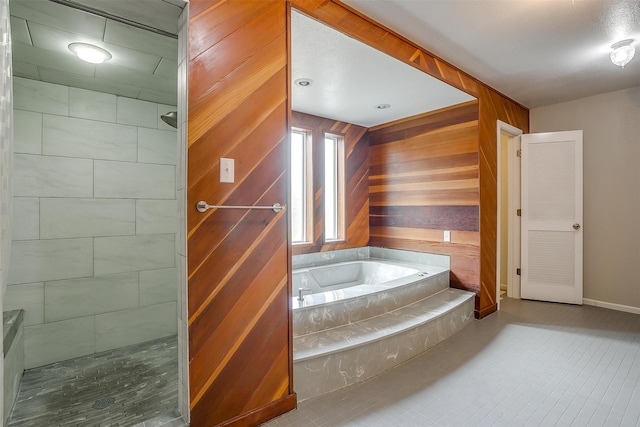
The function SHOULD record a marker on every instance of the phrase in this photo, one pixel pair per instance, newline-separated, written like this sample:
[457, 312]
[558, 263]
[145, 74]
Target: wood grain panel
[492, 106]
[439, 198]
[356, 149]
[238, 260]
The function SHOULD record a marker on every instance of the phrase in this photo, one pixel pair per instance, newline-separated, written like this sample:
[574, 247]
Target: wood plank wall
[424, 179]
[356, 149]
[240, 360]
[492, 107]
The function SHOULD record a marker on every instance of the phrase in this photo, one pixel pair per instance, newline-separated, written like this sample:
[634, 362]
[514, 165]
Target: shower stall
[97, 240]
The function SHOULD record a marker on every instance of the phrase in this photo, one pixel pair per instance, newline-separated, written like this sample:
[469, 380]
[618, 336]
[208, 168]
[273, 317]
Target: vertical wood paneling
[238, 260]
[423, 180]
[356, 187]
[492, 106]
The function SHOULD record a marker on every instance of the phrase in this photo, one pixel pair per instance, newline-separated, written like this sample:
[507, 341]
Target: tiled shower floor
[141, 379]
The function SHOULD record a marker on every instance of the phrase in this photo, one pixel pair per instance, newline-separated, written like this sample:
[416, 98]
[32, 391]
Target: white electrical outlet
[447, 236]
[226, 170]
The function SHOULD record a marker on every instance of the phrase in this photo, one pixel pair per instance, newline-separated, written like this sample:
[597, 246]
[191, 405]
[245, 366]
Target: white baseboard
[611, 306]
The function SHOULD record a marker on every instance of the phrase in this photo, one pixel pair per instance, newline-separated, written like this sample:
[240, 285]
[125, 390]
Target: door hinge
[519, 212]
[518, 271]
[519, 152]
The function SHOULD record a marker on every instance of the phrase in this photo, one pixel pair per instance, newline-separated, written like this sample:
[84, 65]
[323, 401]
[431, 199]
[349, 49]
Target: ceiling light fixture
[303, 82]
[383, 106]
[622, 52]
[90, 53]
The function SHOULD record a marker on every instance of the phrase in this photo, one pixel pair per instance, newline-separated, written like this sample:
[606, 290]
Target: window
[301, 187]
[333, 187]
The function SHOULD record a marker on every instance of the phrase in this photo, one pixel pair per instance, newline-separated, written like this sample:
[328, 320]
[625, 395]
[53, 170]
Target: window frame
[340, 187]
[308, 185]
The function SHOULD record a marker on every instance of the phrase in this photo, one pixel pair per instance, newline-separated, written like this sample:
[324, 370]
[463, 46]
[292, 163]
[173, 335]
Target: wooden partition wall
[492, 106]
[356, 150]
[424, 179]
[240, 362]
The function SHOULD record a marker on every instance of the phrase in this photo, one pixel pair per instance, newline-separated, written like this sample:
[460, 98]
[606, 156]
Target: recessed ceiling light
[90, 53]
[303, 82]
[622, 52]
[383, 106]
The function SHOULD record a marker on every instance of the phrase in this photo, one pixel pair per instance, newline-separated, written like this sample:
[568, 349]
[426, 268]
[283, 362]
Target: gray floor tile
[533, 363]
[136, 383]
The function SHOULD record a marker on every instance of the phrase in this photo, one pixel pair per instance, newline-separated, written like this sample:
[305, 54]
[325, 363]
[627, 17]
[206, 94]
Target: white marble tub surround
[346, 335]
[332, 308]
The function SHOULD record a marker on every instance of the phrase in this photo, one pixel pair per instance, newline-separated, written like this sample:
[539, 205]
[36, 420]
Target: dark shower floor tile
[120, 387]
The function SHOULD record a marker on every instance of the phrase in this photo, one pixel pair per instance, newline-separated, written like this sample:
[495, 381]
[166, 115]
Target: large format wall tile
[134, 253]
[157, 146]
[92, 171]
[40, 97]
[26, 218]
[68, 299]
[134, 180]
[27, 132]
[51, 342]
[156, 216]
[114, 329]
[40, 260]
[30, 298]
[64, 217]
[158, 286]
[67, 136]
[88, 104]
[45, 176]
[136, 112]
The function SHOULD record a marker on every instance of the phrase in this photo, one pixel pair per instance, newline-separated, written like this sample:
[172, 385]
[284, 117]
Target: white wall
[611, 124]
[93, 256]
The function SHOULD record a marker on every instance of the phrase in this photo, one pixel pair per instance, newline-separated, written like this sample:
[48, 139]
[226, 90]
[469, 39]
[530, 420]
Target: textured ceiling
[144, 64]
[351, 78]
[538, 52]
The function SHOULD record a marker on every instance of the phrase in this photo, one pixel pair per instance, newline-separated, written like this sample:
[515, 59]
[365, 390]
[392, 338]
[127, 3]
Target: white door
[551, 259]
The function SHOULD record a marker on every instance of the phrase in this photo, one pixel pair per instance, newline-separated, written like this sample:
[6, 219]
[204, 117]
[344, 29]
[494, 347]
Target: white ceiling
[144, 64]
[536, 52]
[351, 78]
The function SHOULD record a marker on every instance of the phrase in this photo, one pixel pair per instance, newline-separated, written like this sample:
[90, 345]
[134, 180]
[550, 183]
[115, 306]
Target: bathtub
[346, 291]
[340, 281]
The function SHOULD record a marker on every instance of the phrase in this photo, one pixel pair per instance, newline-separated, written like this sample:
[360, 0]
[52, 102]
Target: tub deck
[343, 336]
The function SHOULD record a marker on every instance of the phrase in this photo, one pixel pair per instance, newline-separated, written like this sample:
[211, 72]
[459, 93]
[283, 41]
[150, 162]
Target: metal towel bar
[203, 206]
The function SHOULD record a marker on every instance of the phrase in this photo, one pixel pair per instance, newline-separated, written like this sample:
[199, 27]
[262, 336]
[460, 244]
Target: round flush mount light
[622, 52]
[90, 53]
[382, 106]
[303, 82]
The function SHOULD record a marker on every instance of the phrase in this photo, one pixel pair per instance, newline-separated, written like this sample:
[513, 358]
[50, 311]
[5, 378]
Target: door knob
[576, 226]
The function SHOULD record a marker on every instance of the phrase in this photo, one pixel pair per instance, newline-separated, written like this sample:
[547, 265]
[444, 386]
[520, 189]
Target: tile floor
[142, 379]
[531, 364]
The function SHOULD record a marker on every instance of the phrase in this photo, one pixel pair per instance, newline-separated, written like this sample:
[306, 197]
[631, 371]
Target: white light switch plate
[226, 170]
[447, 236]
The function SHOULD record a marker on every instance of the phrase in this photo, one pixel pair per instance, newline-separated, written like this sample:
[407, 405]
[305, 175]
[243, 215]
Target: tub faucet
[301, 292]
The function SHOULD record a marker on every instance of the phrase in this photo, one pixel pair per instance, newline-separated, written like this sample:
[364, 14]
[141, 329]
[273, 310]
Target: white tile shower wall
[94, 256]
[30, 298]
[26, 218]
[27, 136]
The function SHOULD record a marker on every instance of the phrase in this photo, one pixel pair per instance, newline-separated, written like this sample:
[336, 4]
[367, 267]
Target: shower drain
[105, 402]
